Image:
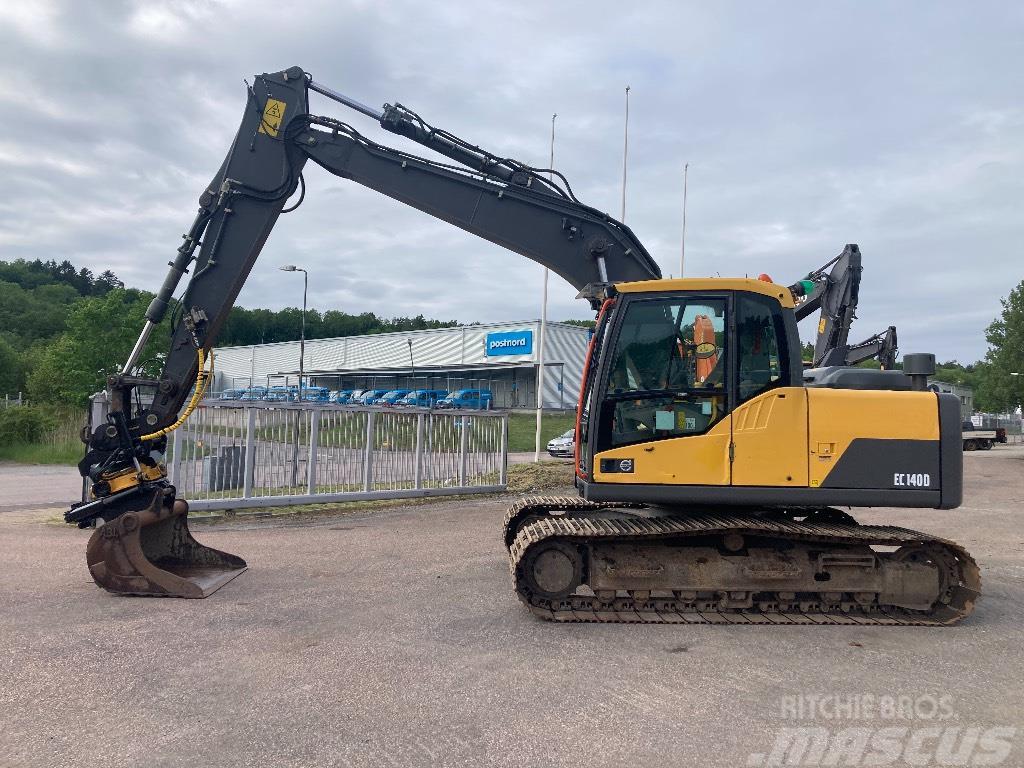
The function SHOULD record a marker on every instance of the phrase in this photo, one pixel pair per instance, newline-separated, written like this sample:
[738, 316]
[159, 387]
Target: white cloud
[33, 22]
[807, 126]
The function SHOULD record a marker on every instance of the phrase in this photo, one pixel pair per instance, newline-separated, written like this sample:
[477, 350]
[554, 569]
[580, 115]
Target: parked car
[280, 394]
[232, 394]
[423, 398]
[391, 398]
[473, 399]
[254, 393]
[315, 394]
[564, 444]
[349, 396]
[340, 395]
[371, 396]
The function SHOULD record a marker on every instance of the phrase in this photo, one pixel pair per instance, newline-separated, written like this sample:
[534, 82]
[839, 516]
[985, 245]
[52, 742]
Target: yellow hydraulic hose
[202, 379]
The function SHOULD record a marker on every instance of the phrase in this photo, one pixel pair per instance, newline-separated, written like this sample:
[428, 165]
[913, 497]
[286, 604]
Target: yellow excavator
[710, 465]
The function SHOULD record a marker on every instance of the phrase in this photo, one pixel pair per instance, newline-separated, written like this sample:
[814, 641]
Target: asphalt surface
[24, 486]
[392, 638]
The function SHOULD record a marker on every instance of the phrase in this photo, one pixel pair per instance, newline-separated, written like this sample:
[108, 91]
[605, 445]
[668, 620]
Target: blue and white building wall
[502, 357]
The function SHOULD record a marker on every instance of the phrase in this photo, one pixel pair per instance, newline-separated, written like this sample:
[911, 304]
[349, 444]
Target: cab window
[759, 330]
[668, 371]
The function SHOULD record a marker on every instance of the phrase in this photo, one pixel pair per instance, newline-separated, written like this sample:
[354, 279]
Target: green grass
[190, 449]
[69, 452]
[523, 426]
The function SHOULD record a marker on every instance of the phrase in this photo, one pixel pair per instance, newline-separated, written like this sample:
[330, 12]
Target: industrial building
[501, 357]
[966, 395]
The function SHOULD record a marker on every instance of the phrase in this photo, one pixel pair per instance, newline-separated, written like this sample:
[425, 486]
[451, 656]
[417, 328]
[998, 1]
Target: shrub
[25, 424]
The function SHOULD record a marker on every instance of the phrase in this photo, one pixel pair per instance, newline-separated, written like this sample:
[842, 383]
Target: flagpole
[625, 155]
[543, 326]
[682, 248]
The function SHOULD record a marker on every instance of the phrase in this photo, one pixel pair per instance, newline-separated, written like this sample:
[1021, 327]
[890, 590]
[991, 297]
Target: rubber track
[543, 506]
[965, 584]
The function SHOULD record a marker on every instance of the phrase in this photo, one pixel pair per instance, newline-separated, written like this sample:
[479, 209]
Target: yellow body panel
[837, 416]
[770, 437]
[696, 460]
[779, 292]
[130, 477]
[786, 437]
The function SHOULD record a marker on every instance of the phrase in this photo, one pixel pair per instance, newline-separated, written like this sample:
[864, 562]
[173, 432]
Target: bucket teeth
[152, 552]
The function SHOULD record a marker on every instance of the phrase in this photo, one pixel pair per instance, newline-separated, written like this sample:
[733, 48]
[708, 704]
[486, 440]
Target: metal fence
[259, 454]
[10, 401]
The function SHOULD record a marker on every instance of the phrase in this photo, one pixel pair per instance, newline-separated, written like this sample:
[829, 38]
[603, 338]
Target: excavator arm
[495, 198]
[835, 292]
[881, 347]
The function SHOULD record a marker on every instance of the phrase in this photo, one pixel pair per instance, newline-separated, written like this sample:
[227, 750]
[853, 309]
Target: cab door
[769, 424]
[663, 413]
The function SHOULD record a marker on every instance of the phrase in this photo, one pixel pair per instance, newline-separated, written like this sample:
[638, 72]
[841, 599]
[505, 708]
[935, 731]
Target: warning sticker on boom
[273, 114]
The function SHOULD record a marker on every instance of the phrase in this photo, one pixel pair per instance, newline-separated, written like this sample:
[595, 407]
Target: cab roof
[748, 284]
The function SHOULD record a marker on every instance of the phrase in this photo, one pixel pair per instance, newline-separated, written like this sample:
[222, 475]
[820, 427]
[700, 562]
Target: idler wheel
[554, 570]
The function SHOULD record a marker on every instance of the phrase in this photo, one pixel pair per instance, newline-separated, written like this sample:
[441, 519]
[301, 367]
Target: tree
[106, 282]
[100, 333]
[12, 379]
[1002, 389]
[581, 323]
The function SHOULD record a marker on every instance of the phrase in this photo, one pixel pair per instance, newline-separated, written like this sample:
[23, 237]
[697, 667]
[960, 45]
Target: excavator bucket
[151, 552]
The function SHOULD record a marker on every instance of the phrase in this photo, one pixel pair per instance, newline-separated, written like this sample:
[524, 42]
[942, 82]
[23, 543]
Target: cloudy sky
[898, 126]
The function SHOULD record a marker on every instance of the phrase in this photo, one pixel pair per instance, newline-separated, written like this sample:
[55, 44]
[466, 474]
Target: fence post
[418, 474]
[250, 452]
[368, 454]
[503, 471]
[314, 445]
[295, 446]
[175, 468]
[463, 442]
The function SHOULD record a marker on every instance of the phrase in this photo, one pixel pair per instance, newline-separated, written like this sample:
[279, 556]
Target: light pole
[543, 324]
[302, 332]
[682, 248]
[625, 155]
[412, 365]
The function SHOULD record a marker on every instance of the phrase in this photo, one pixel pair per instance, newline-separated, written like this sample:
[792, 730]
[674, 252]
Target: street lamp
[302, 334]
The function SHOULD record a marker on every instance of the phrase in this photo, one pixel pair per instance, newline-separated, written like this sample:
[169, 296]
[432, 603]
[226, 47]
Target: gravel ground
[392, 638]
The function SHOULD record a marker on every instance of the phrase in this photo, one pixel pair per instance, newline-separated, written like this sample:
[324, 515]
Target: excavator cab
[672, 359]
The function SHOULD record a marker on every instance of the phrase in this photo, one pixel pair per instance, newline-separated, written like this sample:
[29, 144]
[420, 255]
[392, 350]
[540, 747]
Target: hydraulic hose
[202, 379]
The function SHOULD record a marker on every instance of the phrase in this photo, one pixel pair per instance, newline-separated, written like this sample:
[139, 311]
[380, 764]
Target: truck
[980, 439]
